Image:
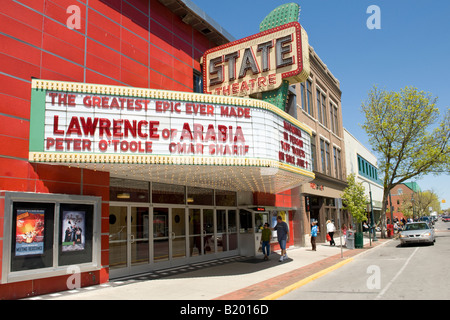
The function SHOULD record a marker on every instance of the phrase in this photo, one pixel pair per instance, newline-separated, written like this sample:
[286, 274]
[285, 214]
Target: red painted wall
[285, 199]
[136, 43]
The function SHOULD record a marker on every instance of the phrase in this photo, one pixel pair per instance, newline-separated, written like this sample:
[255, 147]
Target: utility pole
[339, 206]
[372, 218]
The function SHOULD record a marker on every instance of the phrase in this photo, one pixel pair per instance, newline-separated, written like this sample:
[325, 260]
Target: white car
[416, 232]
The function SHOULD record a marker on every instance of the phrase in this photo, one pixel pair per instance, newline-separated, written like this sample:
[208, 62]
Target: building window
[327, 151]
[291, 104]
[168, 193]
[198, 83]
[303, 96]
[324, 111]
[334, 118]
[200, 196]
[226, 198]
[309, 97]
[400, 191]
[306, 96]
[366, 169]
[128, 190]
[325, 156]
[321, 107]
[322, 155]
[337, 163]
[313, 152]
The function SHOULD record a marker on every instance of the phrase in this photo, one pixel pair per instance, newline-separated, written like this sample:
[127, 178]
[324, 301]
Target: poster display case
[46, 233]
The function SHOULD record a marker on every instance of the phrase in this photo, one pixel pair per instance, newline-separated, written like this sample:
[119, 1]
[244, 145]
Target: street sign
[338, 203]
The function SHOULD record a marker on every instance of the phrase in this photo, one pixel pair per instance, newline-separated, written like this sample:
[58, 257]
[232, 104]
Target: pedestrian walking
[265, 241]
[331, 229]
[282, 235]
[314, 231]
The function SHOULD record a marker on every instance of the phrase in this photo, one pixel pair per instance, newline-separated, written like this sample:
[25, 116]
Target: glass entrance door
[202, 240]
[118, 242]
[169, 235]
[161, 234]
[128, 238]
[139, 236]
[226, 230]
[178, 233]
[144, 238]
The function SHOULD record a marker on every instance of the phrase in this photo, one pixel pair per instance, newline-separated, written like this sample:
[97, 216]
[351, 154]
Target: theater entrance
[145, 238]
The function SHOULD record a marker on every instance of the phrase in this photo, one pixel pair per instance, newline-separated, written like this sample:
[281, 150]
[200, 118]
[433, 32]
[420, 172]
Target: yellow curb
[302, 282]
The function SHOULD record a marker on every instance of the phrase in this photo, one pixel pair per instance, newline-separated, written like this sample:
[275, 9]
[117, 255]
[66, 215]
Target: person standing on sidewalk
[265, 241]
[282, 235]
[330, 230]
[314, 231]
[344, 232]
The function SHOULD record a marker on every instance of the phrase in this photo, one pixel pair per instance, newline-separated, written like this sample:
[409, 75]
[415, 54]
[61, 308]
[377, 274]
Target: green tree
[355, 200]
[420, 203]
[406, 132]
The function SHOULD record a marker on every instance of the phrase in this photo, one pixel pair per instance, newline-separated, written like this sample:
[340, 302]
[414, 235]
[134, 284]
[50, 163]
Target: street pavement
[234, 278]
[391, 273]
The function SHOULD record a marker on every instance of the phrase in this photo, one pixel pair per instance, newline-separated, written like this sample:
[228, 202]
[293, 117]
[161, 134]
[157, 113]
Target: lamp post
[372, 227]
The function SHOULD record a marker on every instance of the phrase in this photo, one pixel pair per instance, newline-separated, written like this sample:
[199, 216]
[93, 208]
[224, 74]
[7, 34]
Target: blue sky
[412, 48]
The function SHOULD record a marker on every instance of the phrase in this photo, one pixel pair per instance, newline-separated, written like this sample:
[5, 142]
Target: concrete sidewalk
[235, 278]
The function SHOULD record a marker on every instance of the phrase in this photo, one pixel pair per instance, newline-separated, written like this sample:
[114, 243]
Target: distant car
[426, 219]
[417, 232]
[446, 218]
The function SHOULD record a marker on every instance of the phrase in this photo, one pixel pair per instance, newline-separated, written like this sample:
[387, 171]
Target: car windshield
[416, 226]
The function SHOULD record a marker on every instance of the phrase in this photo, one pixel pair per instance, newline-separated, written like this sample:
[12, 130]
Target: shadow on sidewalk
[232, 266]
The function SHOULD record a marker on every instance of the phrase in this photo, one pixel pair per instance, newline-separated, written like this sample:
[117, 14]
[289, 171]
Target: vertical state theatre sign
[172, 137]
[257, 63]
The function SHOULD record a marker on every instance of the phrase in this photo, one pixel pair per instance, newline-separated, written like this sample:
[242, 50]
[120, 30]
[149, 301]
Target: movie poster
[73, 229]
[29, 232]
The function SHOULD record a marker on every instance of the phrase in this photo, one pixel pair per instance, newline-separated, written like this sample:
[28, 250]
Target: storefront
[320, 201]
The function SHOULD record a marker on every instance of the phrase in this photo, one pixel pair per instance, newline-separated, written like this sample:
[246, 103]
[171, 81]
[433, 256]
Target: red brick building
[400, 194]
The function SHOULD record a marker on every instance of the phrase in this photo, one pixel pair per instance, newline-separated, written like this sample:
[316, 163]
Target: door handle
[131, 238]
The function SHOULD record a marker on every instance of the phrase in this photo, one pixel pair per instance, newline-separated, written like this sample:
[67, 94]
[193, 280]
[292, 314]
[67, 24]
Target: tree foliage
[420, 203]
[354, 199]
[406, 132]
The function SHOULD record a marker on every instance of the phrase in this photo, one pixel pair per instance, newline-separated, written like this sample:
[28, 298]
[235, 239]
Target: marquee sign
[81, 123]
[257, 63]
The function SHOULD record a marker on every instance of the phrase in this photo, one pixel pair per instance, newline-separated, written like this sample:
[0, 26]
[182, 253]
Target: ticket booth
[252, 222]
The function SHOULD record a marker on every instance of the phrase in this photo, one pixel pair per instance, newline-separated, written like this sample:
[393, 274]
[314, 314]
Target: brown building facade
[318, 105]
